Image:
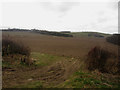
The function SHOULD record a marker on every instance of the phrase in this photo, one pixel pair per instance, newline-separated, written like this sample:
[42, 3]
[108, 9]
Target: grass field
[85, 34]
[58, 63]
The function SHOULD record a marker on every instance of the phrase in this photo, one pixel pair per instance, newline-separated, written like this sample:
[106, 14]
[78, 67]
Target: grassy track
[89, 80]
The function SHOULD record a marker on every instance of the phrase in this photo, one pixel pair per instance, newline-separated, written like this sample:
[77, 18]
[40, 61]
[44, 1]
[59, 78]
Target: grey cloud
[114, 5]
[59, 6]
[101, 17]
[102, 20]
[65, 6]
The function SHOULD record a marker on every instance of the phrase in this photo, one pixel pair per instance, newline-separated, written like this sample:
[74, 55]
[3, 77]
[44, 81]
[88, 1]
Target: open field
[68, 46]
[59, 63]
[82, 34]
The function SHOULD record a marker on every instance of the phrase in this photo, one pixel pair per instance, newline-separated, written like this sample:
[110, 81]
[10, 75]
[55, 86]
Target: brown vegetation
[10, 46]
[102, 60]
[115, 39]
[13, 50]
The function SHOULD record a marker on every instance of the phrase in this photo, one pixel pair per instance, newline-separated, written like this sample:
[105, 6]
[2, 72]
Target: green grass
[45, 59]
[41, 60]
[30, 85]
[85, 34]
[6, 64]
[88, 80]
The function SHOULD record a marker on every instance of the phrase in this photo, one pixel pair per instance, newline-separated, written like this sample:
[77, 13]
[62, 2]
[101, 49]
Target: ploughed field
[65, 46]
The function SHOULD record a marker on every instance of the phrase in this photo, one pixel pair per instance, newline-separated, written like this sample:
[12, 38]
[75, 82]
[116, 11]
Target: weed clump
[10, 46]
[13, 50]
[102, 60]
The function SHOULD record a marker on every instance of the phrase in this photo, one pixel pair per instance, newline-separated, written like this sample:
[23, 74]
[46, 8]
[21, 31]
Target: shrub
[115, 39]
[10, 46]
[101, 59]
[15, 51]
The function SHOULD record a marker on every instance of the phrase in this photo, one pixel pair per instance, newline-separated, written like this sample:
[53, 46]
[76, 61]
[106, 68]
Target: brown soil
[67, 46]
[53, 74]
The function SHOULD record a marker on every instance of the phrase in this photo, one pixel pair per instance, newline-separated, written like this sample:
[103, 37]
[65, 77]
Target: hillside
[61, 34]
[44, 32]
[89, 34]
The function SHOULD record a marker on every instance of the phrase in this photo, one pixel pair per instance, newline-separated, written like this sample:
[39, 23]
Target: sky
[61, 15]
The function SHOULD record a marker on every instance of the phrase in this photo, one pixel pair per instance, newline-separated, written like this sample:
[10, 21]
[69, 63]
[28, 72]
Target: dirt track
[53, 74]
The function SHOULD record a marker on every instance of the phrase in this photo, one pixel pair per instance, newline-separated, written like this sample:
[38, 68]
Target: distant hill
[15, 29]
[65, 31]
[52, 33]
[62, 33]
[89, 34]
[45, 32]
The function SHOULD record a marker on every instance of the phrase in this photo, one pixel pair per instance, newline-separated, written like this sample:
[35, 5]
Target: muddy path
[50, 75]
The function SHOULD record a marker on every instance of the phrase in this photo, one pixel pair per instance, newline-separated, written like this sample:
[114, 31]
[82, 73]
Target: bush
[115, 39]
[10, 46]
[101, 59]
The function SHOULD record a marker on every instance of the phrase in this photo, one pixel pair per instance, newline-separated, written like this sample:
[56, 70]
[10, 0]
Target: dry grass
[12, 47]
[102, 60]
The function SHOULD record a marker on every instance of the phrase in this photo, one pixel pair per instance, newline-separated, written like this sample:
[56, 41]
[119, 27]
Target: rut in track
[60, 71]
[53, 74]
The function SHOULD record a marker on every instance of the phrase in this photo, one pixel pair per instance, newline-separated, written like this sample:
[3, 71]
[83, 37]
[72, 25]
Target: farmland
[58, 59]
[67, 46]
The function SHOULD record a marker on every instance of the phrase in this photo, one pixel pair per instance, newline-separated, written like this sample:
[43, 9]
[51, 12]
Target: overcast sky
[54, 15]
